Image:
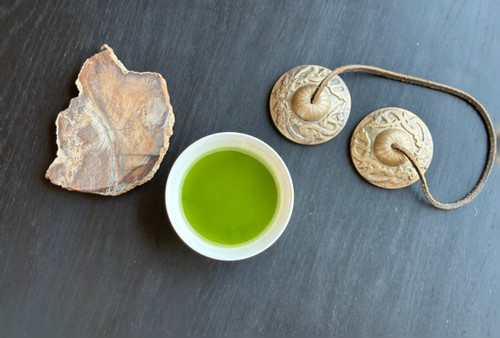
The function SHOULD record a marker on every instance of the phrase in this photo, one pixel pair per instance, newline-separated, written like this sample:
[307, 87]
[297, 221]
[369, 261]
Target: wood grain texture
[354, 260]
[113, 136]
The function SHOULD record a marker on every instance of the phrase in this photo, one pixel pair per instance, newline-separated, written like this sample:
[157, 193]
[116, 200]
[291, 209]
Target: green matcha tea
[229, 197]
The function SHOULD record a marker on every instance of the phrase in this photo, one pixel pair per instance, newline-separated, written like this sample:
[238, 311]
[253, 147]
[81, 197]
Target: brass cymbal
[372, 152]
[297, 118]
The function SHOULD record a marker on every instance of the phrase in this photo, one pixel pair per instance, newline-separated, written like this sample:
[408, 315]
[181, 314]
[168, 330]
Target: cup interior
[268, 157]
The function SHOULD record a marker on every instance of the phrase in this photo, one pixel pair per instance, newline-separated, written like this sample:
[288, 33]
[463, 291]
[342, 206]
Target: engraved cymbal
[297, 118]
[372, 152]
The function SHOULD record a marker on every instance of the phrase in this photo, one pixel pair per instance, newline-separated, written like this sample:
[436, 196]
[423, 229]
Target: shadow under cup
[251, 145]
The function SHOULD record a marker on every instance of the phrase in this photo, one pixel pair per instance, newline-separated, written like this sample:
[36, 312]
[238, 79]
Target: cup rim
[228, 252]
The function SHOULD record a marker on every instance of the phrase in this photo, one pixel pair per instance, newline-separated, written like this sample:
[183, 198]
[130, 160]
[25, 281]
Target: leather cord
[492, 141]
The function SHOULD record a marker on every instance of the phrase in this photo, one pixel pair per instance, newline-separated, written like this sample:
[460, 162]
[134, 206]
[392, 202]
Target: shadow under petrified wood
[113, 136]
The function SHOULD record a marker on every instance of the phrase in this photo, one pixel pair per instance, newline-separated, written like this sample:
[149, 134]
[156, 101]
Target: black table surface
[355, 259]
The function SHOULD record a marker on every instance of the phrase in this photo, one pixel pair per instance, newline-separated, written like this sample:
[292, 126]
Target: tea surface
[229, 197]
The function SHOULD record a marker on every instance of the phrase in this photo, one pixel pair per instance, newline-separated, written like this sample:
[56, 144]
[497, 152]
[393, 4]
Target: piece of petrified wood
[113, 136]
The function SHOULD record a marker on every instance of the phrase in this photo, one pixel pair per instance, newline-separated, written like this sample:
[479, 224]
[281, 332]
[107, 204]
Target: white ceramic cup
[268, 157]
